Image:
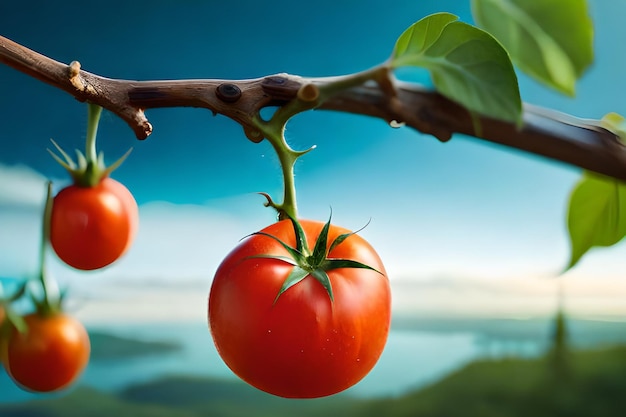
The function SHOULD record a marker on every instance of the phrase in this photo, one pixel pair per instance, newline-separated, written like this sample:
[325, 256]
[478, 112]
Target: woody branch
[544, 132]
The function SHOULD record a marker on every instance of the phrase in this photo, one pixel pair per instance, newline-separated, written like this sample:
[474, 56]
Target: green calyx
[12, 318]
[316, 262]
[89, 168]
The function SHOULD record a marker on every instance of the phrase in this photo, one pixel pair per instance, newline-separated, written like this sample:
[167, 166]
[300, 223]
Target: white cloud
[20, 235]
[181, 242]
[511, 297]
[167, 272]
[21, 186]
[147, 305]
[169, 267]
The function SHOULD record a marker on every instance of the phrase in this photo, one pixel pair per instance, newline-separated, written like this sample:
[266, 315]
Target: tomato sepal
[296, 275]
[89, 169]
[334, 263]
[322, 277]
[12, 319]
[315, 263]
[296, 255]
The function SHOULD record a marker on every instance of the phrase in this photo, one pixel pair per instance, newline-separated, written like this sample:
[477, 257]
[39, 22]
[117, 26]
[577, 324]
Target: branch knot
[76, 80]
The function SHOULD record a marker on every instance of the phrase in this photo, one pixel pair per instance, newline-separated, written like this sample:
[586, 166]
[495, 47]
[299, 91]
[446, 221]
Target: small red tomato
[91, 227]
[301, 344]
[2, 317]
[50, 355]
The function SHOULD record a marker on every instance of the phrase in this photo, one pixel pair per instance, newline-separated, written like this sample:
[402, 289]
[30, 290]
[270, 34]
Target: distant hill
[108, 346]
[591, 385]
[582, 333]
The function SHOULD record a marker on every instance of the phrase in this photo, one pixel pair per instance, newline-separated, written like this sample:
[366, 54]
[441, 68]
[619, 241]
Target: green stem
[287, 158]
[330, 86]
[93, 118]
[45, 238]
[274, 129]
[289, 205]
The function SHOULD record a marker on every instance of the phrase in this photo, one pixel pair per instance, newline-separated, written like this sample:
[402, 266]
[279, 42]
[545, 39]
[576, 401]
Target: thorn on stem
[254, 135]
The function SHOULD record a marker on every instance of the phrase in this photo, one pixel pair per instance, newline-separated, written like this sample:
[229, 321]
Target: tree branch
[544, 132]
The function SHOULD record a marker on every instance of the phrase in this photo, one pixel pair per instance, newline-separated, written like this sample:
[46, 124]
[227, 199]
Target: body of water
[412, 358]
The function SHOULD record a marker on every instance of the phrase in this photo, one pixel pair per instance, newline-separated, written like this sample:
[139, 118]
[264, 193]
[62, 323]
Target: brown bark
[544, 132]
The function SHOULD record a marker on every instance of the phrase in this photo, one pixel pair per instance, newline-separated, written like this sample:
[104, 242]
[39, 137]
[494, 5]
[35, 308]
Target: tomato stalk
[287, 157]
[89, 169]
[51, 297]
[91, 155]
[309, 96]
[50, 301]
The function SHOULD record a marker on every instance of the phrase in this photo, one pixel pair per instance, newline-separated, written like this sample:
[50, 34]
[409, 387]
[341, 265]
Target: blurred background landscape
[430, 367]
[473, 235]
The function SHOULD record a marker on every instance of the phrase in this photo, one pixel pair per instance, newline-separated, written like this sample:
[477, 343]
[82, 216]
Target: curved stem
[287, 158]
[309, 96]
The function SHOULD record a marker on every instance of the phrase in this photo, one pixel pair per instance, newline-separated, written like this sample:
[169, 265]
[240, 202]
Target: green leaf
[551, 40]
[596, 215]
[467, 65]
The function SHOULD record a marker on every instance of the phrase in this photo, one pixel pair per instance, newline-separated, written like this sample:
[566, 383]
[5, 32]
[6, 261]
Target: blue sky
[464, 228]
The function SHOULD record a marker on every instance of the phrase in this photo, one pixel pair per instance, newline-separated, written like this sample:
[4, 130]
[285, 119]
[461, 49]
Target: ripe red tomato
[301, 344]
[2, 317]
[91, 227]
[50, 355]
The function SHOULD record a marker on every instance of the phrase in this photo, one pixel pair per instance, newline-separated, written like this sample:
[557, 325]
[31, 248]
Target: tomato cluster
[300, 309]
[90, 224]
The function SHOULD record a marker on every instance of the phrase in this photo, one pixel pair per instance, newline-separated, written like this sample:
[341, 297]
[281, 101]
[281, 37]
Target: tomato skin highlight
[91, 227]
[50, 355]
[302, 345]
